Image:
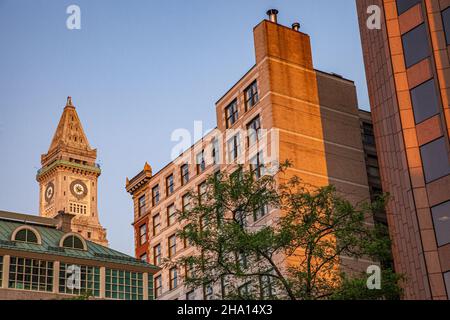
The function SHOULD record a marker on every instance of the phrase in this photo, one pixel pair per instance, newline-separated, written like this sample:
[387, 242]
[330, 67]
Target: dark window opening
[435, 160]
[415, 45]
[441, 220]
[251, 95]
[231, 113]
[425, 101]
[405, 5]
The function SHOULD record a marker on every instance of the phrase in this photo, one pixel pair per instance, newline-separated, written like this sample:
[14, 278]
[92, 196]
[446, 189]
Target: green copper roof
[50, 245]
[95, 168]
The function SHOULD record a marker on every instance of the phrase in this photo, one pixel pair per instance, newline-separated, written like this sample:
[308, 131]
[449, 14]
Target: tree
[293, 255]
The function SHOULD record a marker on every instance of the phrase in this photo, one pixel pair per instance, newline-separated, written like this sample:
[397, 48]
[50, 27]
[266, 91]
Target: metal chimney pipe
[272, 13]
[296, 26]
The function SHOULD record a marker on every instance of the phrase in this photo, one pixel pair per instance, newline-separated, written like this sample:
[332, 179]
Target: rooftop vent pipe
[296, 26]
[272, 13]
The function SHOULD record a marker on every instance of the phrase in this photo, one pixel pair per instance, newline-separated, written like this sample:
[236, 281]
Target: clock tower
[68, 178]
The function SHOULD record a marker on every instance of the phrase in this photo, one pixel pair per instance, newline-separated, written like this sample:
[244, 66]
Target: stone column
[145, 285]
[56, 267]
[102, 282]
[5, 271]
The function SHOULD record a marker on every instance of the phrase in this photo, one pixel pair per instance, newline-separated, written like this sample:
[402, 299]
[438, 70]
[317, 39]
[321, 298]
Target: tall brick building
[408, 75]
[318, 128]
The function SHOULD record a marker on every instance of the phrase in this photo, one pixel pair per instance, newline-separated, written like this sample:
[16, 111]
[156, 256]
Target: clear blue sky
[137, 70]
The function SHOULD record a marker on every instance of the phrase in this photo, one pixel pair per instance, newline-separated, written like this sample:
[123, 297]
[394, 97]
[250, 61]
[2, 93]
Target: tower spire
[69, 102]
[70, 133]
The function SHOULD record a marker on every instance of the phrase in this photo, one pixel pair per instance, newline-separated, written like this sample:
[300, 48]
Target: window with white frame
[231, 113]
[253, 131]
[257, 165]
[200, 162]
[30, 274]
[234, 148]
[251, 95]
[143, 234]
[171, 215]
[87, 279]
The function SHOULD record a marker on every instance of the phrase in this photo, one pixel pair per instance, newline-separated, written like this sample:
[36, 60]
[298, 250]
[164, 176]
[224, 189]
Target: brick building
[318, 128]
[408, 75]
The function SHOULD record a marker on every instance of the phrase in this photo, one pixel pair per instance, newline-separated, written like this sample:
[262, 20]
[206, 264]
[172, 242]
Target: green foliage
[356, 288]
[242, 248]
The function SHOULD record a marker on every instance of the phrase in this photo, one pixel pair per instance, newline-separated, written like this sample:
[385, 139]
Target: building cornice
[64, 163]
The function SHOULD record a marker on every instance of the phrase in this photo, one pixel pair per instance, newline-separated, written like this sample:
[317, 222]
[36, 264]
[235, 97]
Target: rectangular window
[373, 172]
[184, 174]
[172, 246]
[141, 205]
[173, 273]
[188, 267]
[257, 165]
[225, 285]
[234, 148]
[441, 220]
[253, 131]
[241, 260]
[156, 224]
[30, 274]
[186, 242]
[446, 24]
[158, 286]
[200, 162]
[208, 291]
[124, 285]
[425, 101]
[169, 185]
[369, 138]
[435, 159]
[143, 257]
[171, 215]
[157, 255]
[415, 45]
[155, 195]
[261, 212]
[205, 222]
[266, 286]
[241, 219]
[244, 290]
[215, 153]
[231, 113]
[202, 192]
[89, 280]
[190, 295]
[251, 95]
[143, 234]
[186, 202]
[405, 5]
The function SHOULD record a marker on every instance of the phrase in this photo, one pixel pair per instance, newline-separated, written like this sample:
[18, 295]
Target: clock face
[49, 192]
[78, 189]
